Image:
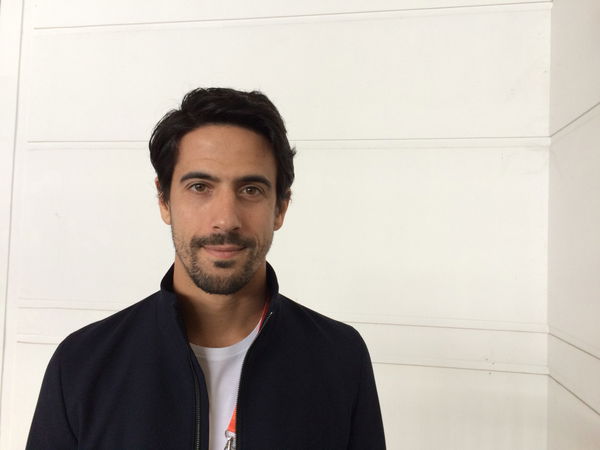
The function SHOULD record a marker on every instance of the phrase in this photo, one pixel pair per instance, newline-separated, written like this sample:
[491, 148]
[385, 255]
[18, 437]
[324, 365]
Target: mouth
[223, 251]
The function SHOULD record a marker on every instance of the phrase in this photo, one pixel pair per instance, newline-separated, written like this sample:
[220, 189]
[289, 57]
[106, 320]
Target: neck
[213, 320]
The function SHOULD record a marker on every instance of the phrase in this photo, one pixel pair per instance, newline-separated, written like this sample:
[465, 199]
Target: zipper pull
[230, 444]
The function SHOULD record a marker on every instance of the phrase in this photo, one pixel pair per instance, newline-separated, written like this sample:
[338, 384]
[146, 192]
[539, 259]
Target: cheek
[186, 216]
[180, 224]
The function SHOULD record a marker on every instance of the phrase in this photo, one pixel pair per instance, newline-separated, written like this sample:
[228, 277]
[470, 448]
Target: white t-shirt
[222, 369]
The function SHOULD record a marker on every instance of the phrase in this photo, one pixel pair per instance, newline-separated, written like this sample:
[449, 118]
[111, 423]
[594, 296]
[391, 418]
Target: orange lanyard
[230, 432]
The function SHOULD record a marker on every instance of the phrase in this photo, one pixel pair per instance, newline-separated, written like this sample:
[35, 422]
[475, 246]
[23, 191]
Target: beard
[226, 284]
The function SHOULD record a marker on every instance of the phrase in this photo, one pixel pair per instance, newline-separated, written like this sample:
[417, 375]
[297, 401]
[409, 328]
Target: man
[217, 358]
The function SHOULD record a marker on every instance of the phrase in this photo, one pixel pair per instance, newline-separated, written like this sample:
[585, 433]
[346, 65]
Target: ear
[280, 211]
[165, 211]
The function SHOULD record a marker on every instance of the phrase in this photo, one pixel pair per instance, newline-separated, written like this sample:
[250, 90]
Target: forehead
[226, 149]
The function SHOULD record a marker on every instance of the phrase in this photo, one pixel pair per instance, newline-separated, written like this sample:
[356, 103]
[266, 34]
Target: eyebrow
[245, 179]
[198, 175]
[256, 179]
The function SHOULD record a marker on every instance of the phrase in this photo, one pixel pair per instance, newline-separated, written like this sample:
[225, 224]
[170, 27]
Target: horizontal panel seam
[565, 128]
[459, 368]
[574, 346]
[116, 141]
[454, 138]
[84, 306]
[54, 340]
[574, 395]
[544, 3]
[117, 307]
[532, 141]
[357, 322]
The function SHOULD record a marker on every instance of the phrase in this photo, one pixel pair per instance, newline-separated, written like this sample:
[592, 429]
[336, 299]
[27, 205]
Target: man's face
[222, 207]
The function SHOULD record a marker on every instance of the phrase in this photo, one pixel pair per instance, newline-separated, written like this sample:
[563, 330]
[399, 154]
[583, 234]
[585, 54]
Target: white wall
[422, 168]
[10, 32]
[571, 425]
[574, 220]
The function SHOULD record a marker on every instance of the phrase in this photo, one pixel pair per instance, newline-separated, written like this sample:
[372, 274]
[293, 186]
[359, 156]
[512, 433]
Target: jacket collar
[170, 320]
[168, 296]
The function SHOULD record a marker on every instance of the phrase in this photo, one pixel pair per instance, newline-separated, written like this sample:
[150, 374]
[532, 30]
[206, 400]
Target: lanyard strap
[230, 432]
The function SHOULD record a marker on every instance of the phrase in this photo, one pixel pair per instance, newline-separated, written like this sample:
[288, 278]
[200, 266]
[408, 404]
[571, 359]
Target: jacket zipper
[237, 401]
[196, 407]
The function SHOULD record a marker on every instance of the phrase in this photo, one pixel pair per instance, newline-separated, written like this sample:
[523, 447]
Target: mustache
[230, 238]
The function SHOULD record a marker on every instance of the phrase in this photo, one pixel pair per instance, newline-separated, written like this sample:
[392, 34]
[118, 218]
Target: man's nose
[225, 212]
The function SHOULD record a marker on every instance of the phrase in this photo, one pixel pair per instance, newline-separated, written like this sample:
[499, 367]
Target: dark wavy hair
[206, 106]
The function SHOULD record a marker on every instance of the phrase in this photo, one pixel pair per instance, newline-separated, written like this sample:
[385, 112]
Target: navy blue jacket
[131, 381]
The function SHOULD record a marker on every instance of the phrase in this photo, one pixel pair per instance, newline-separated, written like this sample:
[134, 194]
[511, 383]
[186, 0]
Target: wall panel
[571, 424]
[574, 243]
[72, 13]
[492, 350]
[574, 218]
[96, 205]
[427, 408]
[574, 262]
[575, 64]
[51, 325]
[390, 232]
[576, 370]
[370, 76]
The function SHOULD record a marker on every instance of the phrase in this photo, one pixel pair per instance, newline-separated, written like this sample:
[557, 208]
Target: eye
[251, 191]
[198, 187]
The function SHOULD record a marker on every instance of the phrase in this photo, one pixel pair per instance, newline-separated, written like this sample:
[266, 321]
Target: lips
[223, 251]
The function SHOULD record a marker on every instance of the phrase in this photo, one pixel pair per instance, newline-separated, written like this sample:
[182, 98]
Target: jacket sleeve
[367, 424]
[50, 428]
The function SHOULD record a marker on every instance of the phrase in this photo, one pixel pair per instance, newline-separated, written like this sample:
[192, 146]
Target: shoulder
[332, 354]
[311, 326]
[103, 336]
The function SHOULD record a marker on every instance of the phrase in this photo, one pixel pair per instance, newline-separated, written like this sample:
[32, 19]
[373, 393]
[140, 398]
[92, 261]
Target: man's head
[224, 170]
[250, 110]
